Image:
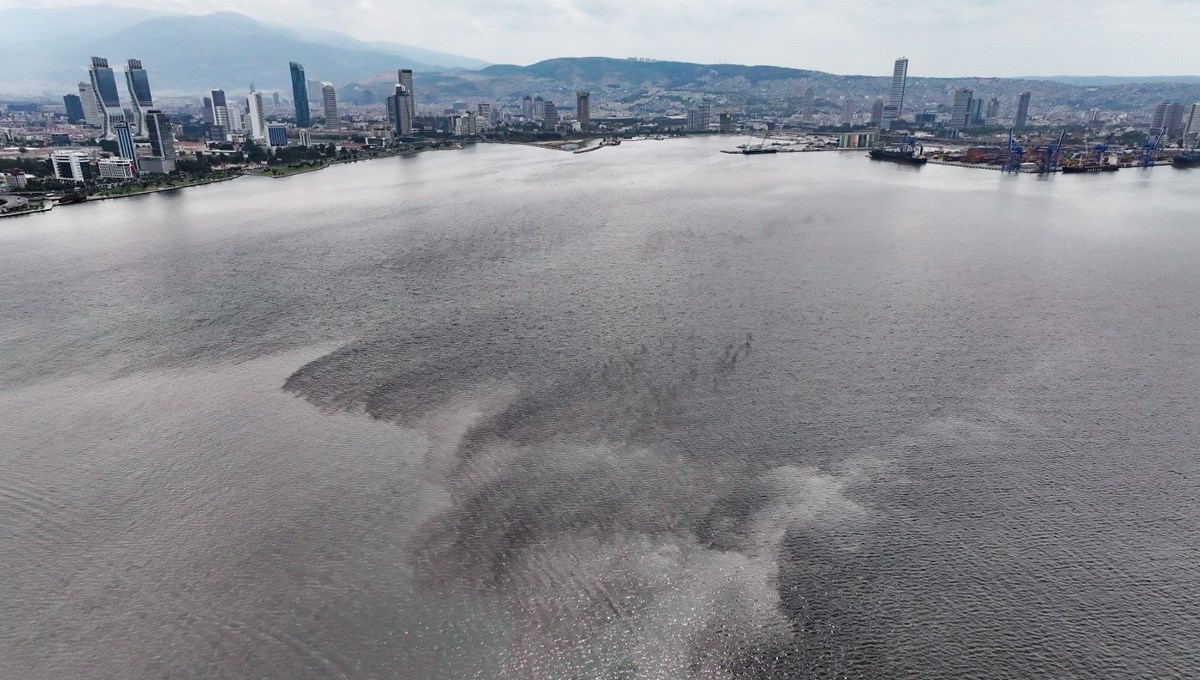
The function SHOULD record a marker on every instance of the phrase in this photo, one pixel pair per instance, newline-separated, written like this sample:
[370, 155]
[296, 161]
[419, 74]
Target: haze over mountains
[46, 51]
[49, 49]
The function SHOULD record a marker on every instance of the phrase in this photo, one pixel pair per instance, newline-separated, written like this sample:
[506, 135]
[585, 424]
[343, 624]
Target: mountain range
[50, 48]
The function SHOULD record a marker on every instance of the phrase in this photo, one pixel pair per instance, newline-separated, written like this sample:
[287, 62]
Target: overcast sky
[940, 37]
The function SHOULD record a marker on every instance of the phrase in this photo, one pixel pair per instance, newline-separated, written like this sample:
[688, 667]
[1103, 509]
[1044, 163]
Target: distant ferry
[908, 156]
[1089, 167]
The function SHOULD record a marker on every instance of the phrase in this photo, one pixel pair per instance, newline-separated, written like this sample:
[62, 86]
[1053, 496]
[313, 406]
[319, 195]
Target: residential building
[539, 108]
[329, 102]
[847, 111]
[487, 115]
[139, 94]
[74, 104]
[808, 110]
[583, 110]
[725, 123]
[1168, 118]
[300, 95]
[699, 118]
[895, 104]
[116, 168]
[527, 108]
[993, 110]
[108, 99]
[258, 125]
[72, 166]
[549, 116]
[1022, 118]
[960, 114]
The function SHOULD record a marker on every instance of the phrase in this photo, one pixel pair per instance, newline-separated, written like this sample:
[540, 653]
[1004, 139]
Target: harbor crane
[1050, 155]
[1015, 154]
[1150, 150]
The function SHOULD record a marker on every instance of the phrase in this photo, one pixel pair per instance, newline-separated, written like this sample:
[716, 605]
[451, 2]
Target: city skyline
[522, 33]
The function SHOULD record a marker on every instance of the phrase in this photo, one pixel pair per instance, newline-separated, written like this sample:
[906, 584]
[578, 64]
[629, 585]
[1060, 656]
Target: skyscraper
[1193, 123]
[108, 99]
[527, 107]
[219, 109]
[258, 125]
[162, 140]
[583, 109]
[405, 79]
[993, 110]
[539, 108]
[1022, 111]
[549, 116]
[125, 147]
[91, 105]
[300, 95]
[329, 103]
[810, 104]
[206, 111]
[960, 115]
[877, 112]
[400, 112]
[74, 105]
[139, 94]
[895, 105]
[847, 111]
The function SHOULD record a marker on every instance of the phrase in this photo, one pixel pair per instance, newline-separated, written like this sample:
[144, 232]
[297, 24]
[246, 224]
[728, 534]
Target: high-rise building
[275, 102]
[895, 104]
[527, 108]
[549, 116]
[487, 114]
[539, 108]
[404, 77]
[108, 99]
[139, 94]
[91, 105]
[276, 135]
[847, 111]
[1168, 118]
[877, 112]
[1193, 123]
[400, 111]
[258, 125]
[125, 147]
[1022, 111]
[74, 104]
[810, 104]
[219, 109]
[960, 115]
[300, 95]
[162, 138]
[329, 104]
[583, 110]
[725, 123]
[993, 110]
[699, 118]
[71, 166]
[976, 117]
[206, 111]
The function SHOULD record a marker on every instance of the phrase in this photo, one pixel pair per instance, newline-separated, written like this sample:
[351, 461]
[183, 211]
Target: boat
[908, 156]
[1089, 167]
[755, 150]
[1187, 160]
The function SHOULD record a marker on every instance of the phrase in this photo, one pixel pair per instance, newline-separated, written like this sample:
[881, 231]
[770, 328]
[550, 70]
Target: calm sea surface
[651, 413]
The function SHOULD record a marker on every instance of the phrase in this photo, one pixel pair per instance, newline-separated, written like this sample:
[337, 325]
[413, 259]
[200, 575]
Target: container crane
[1150, 150]
[1050, 155]
[1015, 155]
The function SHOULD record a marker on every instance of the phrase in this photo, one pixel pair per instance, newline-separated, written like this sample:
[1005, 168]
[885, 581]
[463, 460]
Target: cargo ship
[755, 150]
[1187, 160]
[908, 156]
[1089, 167]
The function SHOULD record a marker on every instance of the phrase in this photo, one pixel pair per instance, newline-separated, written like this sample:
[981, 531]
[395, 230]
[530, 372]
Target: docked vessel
[1187, 160]
[1089, 167]
[909, 156]
[755, 150]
